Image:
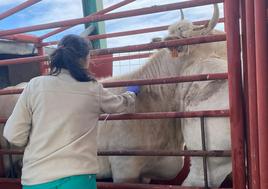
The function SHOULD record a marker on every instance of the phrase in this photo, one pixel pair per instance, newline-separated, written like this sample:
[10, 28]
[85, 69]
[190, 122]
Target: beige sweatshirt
[56, 118]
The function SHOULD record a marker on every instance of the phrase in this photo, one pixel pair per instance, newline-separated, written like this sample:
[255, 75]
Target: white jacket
[56, 118]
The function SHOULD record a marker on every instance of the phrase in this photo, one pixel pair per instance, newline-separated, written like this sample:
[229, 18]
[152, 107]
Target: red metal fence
[248, 102]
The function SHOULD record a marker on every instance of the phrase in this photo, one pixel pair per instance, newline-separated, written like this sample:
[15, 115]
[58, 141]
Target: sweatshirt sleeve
[112, 103]
[18, 125]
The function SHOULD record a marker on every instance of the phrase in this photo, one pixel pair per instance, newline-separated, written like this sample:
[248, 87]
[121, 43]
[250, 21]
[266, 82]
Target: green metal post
[101, 70]
[89, 7]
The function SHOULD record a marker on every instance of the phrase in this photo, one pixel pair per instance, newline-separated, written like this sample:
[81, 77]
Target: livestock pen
[248, 91]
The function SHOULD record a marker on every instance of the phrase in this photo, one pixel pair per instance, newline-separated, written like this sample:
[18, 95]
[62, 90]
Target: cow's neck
[198, 54]
[159, 65]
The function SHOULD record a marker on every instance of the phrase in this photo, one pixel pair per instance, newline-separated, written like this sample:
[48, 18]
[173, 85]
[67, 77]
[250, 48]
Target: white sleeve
[18, 125]
[112, 103]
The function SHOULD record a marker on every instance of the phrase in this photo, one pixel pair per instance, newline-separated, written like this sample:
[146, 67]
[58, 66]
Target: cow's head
[185, 29]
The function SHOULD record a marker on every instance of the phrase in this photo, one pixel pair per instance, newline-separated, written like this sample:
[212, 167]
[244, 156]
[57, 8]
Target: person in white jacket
[56, 117]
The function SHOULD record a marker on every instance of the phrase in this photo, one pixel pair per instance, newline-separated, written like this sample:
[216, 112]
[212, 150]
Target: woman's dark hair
[72, 49]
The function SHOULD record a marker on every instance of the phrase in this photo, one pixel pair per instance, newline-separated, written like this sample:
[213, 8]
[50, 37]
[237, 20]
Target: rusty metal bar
[165, 115]
[123, 152]
[148, 46]
[41, 53]
[164, 80]
[10, 183]
[261, 37]
[127, 33]
[158, 45]
[108, 9]
[10, 91]
[18, 8]
[123, 14]
[22, 38]
[104, 60]
[245, 83]
[11, 162]
[3, 120]
[253, 144]
[23, 60]
[116, 34]
[235, 93]
[10, 180]
[167, 80]
[192, 153]
[267, 14]
[108, 185]
[141, 31]
[105, 185]
[158, 115]
[2, 167]
[204, 148]
[131, 32]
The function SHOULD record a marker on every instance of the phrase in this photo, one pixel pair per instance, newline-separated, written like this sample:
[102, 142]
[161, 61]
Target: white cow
[145, 134]
[196, 96]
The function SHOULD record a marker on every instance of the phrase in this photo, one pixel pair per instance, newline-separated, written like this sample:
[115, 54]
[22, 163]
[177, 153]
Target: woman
[55, 119]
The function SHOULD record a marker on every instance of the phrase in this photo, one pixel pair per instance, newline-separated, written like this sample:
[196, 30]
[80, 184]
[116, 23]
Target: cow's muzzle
[175, 51]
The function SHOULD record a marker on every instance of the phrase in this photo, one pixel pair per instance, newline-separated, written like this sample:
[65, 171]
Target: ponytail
[71, 51]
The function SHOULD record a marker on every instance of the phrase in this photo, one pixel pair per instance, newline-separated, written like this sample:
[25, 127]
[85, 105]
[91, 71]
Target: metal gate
[248, 102]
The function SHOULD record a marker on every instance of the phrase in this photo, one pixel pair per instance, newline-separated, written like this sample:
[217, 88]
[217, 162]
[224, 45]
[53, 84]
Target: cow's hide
[145, 134]
[205, 95]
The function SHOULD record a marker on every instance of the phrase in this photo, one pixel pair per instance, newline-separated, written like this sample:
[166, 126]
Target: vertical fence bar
[40, 51]
[11, 162]
[253, 146]
[235, 93]
[245, 82]
[244, 54]
[204, 148]
[262, 87]
[2, 167]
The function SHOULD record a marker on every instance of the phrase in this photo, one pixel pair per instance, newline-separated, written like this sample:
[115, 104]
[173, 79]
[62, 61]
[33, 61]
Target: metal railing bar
[194, 153]
[123, 14]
